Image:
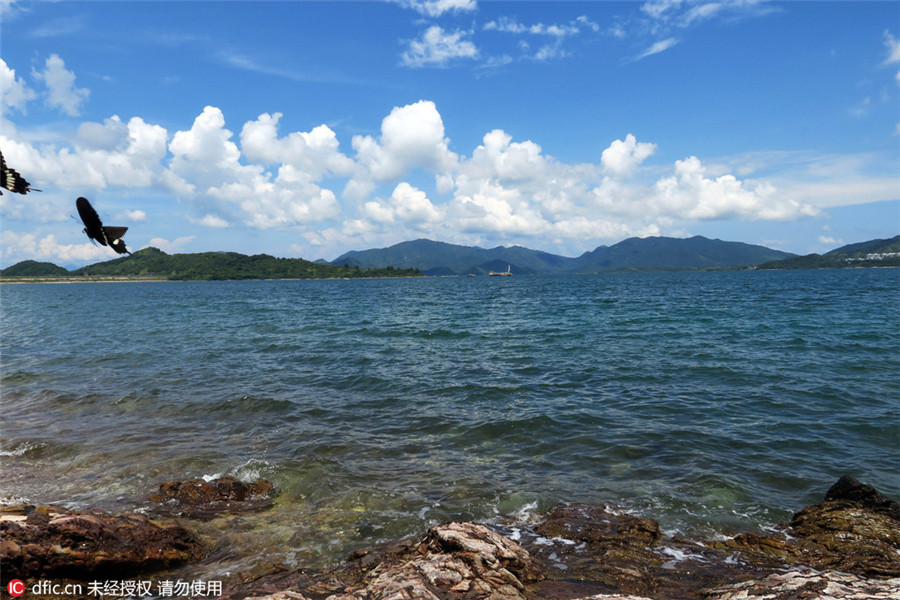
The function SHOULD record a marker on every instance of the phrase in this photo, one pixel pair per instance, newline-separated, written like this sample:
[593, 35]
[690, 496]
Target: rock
[203, 500]
[49, 543]
[809, 585]
[853, 530]
[589, 552]
[452, 561]
[849, 489]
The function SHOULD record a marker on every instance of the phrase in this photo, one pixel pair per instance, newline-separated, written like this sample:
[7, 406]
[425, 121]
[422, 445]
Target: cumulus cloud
[407, 205]
[621, 158]
[315, 153]
[14, 92]
[437, 47]
[412, 136]
[21, 246]
[61, 90]
[690, 194]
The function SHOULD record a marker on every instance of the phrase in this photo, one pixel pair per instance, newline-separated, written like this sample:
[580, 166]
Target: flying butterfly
[97, 231]
[12, 181]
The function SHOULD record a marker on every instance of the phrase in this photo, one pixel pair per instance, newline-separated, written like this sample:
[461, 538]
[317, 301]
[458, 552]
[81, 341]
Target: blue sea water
[714, 402]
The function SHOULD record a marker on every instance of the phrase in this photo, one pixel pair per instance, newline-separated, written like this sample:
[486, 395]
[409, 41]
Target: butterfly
[96, 230]
[12, 181]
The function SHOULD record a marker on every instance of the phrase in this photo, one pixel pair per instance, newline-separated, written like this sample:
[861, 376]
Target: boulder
[203, 500]
[53, 542]
[854, 530]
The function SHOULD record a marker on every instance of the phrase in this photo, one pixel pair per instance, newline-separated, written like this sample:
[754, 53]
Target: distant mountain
[874, 253]
[33, 268]
[655, 253]
[152, 263]
[440, 258]
[665, 254]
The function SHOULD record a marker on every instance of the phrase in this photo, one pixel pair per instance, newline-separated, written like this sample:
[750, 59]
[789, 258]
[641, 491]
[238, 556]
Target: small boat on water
[506, 273]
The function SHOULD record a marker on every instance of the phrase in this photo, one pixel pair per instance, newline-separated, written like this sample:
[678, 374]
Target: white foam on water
[22, 449]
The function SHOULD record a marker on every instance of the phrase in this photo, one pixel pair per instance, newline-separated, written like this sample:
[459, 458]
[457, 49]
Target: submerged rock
[203, 500]
[53, 542]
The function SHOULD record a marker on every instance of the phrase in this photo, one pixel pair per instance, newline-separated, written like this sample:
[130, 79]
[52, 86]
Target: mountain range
[428, 257]
[652, 253]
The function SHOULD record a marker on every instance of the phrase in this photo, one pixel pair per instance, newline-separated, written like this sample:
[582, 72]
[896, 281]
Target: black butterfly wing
[93, 226]
[114, 238]
[12, 181]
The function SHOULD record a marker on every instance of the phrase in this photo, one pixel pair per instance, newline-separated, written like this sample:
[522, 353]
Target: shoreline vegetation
[422, 258]
[846, 546]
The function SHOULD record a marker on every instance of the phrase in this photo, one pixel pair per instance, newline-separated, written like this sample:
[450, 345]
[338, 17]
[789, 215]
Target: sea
[715, 402]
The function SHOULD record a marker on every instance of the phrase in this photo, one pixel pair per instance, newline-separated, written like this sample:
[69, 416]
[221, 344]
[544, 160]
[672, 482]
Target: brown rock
[201, 499]
[90, 545]
[854, 530]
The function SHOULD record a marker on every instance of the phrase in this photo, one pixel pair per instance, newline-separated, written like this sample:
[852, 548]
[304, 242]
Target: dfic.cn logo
[16, 587]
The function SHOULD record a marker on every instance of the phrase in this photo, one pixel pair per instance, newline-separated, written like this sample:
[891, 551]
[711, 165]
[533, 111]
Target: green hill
[33, 268]
[874, 253]
[152, 263]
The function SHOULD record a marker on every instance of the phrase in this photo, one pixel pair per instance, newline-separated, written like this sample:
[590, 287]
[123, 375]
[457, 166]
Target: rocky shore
[847, 546]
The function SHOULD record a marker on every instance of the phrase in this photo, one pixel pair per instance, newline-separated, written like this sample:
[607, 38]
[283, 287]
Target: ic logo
[16, 587]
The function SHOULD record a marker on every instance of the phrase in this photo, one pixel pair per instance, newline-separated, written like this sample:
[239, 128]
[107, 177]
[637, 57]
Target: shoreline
[846, 546]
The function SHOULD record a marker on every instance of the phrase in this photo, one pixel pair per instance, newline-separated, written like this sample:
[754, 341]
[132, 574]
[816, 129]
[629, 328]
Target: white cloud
[407, 205]
[436, 8]
[512, 25]
[658, 47]
[23, 246]
[210, 220]
[205, 147]
[689, 194]
[136, 215]
[437, 48]
[315, 153]
[893, 47]
[621, 158]
[551, 51]
[14, 92]
[171, 247]
[412, 136]
[61, 90]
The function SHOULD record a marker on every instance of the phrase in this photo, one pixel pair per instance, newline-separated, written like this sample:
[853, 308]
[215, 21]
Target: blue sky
[312, 128]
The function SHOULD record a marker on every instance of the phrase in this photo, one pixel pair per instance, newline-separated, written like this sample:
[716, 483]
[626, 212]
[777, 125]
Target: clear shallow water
[714, 402]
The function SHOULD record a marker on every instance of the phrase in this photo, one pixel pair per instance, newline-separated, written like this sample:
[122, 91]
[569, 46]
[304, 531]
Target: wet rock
[853, 530]
[48, 542]
[203, 500]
